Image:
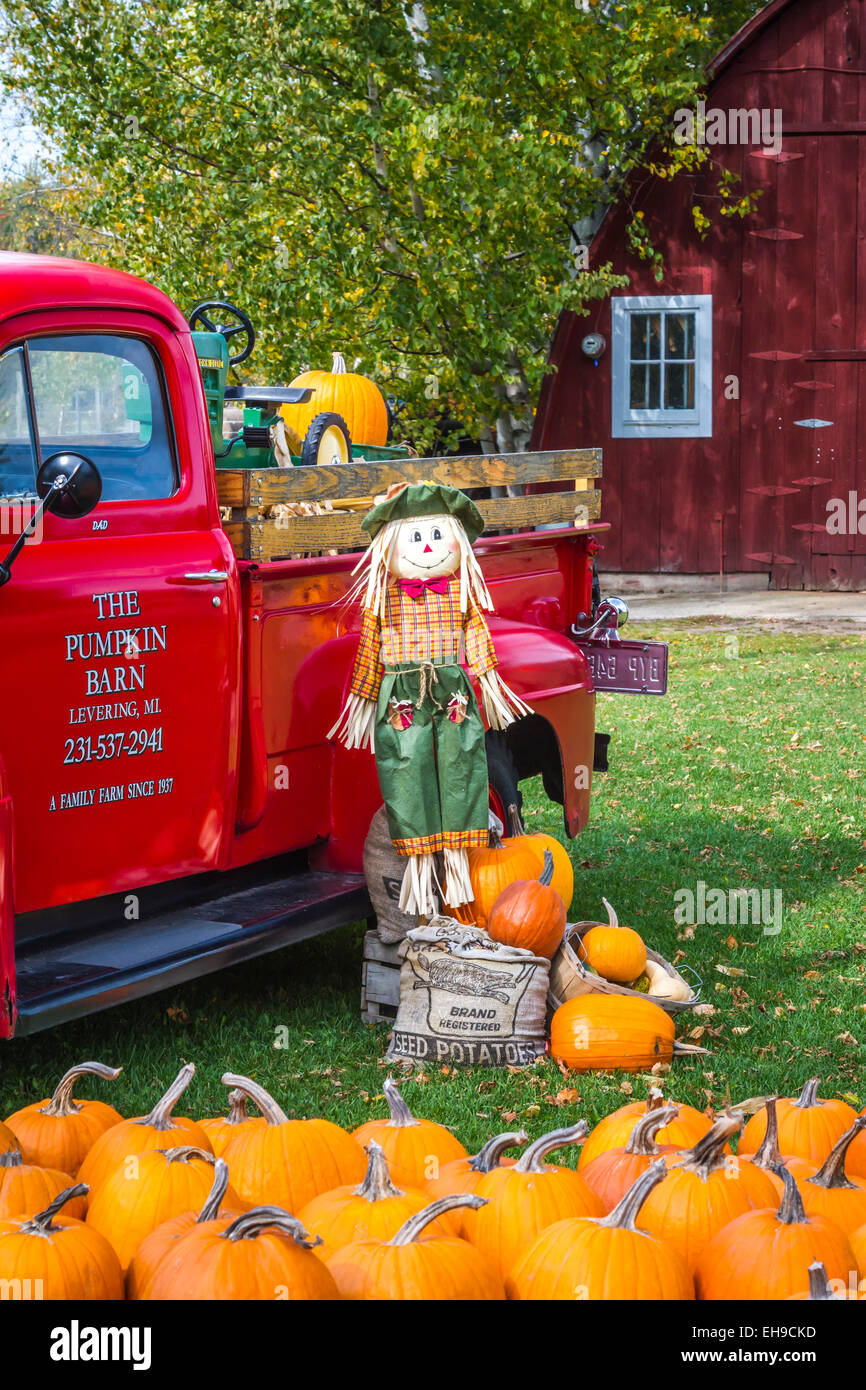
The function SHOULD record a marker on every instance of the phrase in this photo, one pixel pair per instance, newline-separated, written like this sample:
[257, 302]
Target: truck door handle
[202, 577]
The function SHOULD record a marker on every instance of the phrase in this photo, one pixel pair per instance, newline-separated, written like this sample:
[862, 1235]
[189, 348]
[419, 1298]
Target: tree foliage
[405, 183]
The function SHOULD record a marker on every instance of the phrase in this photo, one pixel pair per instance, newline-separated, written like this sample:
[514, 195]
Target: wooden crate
[380, 980]
[250, 493]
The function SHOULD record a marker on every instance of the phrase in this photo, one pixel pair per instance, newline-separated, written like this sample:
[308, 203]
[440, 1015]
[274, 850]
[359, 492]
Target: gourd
[808, 1127]
[58, 1257]
[602, 1260]
[440, 1269]
[768, 1158]
[614, 952]
[492, 869]
[134, 1200]
[563, 869]
[150, 1253]
[766, 1254]
[28, 1187]
[661, 984]
[264, 1254]
[612, 1173]
[464, 1174]
[415, 1149]
[523, 1199]
[221, 1128]
[613, 1032]
[529, 914]
[612, 1132]
[377, 1208]
[831, 1193]
[288, 1162]
[59, 1132]
[355, 397]
[160, 1129]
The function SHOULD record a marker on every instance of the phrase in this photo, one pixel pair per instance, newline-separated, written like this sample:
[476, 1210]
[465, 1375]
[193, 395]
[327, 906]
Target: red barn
[730, 397]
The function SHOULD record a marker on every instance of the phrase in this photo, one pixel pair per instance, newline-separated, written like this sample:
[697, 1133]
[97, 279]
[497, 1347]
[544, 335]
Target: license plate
[626, 666]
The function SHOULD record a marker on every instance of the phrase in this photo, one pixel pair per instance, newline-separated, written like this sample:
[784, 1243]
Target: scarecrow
[411, 701]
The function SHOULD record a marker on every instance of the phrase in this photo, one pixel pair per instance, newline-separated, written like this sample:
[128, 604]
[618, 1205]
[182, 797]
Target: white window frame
[627, 423]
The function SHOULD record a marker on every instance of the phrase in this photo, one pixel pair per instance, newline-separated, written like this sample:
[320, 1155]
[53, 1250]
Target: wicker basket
[570, 978]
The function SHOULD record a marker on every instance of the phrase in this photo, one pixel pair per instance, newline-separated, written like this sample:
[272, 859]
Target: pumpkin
[416, 1150]
[614, 952]
[464, 1174]
[855, 1162]
[58, 1257]
[821, 1290]
[26, 1188]
[264, 1254]
[139, 1196]
[435, 1269]
[563, 869]
[148, 1257]
[8, 1140]
[603, 1259]
[613, 1131]
[525, 1198]
[221, 1128]
[376, 1209]
[768, 1158]
[704, 1191]
[612, 1173]
[492, 869]
[288, 1162]
[356, 398]
[831, 1193]
[131, 1138]
[59, 1132]
[529, 914]
[766, 1254]
[808, 1127]
[613, 1032]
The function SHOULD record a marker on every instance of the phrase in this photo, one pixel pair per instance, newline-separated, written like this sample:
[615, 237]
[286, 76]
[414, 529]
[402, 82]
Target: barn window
[662, 366]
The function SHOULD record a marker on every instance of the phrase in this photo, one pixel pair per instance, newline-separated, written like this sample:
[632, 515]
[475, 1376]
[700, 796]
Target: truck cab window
[101, 395]
[17, 448]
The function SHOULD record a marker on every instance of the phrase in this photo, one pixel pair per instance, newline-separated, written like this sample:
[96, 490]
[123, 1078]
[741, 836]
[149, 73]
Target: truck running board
[65, 977]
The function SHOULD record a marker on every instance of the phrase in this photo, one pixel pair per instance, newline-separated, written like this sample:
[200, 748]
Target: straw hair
[373, 568]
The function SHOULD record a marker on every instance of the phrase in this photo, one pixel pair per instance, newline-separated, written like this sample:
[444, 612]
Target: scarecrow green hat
[426, 499]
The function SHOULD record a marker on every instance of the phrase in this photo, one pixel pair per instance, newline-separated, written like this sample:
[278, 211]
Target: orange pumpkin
[855, 1162]
[263, 1255]
[616, 953]
[529, 914]
[26, 1188]
[58, 1257]
[132, 1138]
[355, 397]
[416, 1150]
[221, 1128]
[464, 1174]
[808, 1127]
[768, 1158]
[8, 1140]
[703, 1191]
[613, 1032]
[612, 1173]
[603, 1259]
[149, 1255]
[288, 1162]
[525, 1198]
[59, 1132]
[138, 1197]
[766, 1254]
[376, 1209]
[492, 869]
[440, 1269]
[563, 869]
[831, 1193]
[614, 1130]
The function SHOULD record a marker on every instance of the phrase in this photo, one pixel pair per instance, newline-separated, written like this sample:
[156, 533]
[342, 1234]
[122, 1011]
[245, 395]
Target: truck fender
[7, 911]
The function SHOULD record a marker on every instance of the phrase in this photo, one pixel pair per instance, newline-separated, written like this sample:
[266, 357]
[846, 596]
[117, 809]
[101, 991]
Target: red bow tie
[415, 587]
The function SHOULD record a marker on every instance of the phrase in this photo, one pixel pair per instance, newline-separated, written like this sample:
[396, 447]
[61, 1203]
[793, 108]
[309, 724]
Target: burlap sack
[468, 1001]
[383, 870]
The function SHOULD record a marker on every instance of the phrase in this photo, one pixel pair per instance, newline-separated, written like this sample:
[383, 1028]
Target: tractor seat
[269, 395]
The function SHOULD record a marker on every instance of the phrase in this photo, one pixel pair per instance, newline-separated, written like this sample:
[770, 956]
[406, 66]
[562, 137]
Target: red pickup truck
[169, 800]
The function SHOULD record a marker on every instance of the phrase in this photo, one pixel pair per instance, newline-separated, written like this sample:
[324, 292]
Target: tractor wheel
[327, 441]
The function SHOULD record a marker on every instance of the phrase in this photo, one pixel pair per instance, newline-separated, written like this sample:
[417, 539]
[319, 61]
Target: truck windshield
[17, 447]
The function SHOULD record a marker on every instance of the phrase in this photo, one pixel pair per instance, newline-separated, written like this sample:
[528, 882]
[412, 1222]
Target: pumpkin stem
[185, 1153]
[401, 1115]
[211, 1209]
[489, 1154]
[656, 1099]
[252, 1223]
[832, 1173]
[612, 919]
[265, 1102]
[530, 1161]
[237, 1108]
[43, 1221]
[494, 839]
[707, 1155]
[61, 1103]
[767, 1154]
[819, 1284]
[546, 875]
[12, 1158]
[338, 365]
[641, 1140]
[624, 1214]
[412, 1228]
[377, 1184]
[791, 1212]
[809, 1095]
[160, 1115]
[515, 824]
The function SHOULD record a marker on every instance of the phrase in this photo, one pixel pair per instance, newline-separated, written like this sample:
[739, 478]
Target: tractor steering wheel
[200, 317]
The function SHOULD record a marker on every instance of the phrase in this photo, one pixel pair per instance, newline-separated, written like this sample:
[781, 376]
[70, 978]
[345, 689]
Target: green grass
[747, 774]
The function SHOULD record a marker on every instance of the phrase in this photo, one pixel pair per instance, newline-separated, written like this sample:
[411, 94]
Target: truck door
[120, 649]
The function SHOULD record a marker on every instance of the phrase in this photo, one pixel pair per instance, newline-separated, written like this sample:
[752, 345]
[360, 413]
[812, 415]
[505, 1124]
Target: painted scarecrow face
[426, 548]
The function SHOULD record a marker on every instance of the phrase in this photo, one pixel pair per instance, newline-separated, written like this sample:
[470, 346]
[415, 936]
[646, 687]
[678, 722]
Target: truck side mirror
[71, 484]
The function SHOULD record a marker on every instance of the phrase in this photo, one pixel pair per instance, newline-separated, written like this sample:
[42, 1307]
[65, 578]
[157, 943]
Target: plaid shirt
[430, 628]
